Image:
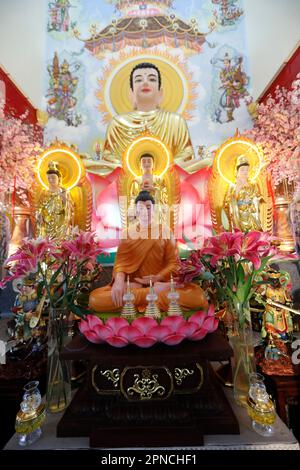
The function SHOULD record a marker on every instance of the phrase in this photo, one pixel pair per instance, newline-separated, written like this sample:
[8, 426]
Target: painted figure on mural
[243, 200]
[233, 81]
[59, 15]
[55, 209]
[63, 85]
[228, 13]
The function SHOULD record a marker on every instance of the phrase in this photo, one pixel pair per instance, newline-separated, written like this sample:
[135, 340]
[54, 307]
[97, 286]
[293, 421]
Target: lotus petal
[173, 322]
[198, 317]
[117, 341]
[173, 339]
[144, 324]
[93, 320]
[104, 332]
[209, 324]
[83, 326]
[211, 311]
[129, 332]
[199, 334]
[144, 341]
[160, 332]
[187, 329]
[93, 337]
[115, 323]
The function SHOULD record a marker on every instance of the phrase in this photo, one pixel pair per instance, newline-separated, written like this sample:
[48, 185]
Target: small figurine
[277, 320]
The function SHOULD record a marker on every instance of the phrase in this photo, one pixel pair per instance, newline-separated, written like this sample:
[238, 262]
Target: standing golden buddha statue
[243, 199]
[55, 209]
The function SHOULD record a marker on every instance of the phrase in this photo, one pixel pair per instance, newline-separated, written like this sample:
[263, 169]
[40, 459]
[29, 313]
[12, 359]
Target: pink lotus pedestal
[160, 396]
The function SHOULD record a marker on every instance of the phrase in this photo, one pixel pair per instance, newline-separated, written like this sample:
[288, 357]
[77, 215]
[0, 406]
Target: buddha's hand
[117, 292]
[145, 280]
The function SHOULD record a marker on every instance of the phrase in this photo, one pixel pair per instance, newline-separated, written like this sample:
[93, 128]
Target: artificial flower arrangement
[233, 261]
[61, 269]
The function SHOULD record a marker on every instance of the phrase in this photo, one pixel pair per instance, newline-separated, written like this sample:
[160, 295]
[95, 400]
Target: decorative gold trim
[112, 375]
[147, 385]
[195, 389]
[181, 374]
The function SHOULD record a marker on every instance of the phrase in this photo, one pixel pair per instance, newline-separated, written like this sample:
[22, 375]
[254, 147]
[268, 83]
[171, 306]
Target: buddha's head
[145, 85]
[147, 163]
[144, 203]
[242, 169]
[53, 176]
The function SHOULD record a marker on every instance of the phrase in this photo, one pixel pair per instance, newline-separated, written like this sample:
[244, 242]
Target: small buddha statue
[55, 210]
[243, 199]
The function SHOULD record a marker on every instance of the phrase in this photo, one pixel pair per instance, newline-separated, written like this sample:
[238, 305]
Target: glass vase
[58, 371]
[243, 361]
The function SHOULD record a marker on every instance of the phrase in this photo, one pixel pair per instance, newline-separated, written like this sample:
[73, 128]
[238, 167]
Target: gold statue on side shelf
[55, 212]
[62, 195]
[243, 200]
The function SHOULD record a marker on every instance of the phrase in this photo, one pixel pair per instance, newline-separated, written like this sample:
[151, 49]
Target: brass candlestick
[173, 296]
[128, 310]
[152, 309]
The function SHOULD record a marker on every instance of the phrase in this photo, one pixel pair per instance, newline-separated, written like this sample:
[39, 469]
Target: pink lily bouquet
[234, 262]
[60, 269]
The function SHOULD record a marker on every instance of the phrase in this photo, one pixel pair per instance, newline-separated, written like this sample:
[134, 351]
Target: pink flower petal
[117, 341]
[187, 329]
[209, 324]
[83, 326]
[116, 323]
[199, 334]
[144, 324]
[144, 341]
[93, 320]
[173, 339]
[173, 322]
[104, 332]
[93, 337]
[198, 317]
[211, 311]
[160, 332]
[129, 332]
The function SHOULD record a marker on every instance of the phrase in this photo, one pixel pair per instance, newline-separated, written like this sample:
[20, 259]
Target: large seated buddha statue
[148, 119]
[146, 251]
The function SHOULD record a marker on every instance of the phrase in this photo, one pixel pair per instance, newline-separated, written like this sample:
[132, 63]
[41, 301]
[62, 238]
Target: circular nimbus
[147, 145]
[69, 164]
[230, 151]
[117, 87]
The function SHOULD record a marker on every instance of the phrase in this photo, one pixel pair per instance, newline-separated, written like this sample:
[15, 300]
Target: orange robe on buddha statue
[144, 257]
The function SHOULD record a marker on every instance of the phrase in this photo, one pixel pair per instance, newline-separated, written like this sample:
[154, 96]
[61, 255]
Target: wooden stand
[161, 396]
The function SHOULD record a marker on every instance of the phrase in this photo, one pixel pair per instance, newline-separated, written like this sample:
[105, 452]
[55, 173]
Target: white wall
[22, 44]
[272, 29]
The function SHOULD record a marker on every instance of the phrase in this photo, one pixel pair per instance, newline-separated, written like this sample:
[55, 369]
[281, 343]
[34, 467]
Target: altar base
[162, 396]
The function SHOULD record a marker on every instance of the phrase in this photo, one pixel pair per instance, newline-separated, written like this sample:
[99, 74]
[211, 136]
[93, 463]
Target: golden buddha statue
[149, 182]
[147, 117]
[55, 209]
[243, 199]
[146, 251]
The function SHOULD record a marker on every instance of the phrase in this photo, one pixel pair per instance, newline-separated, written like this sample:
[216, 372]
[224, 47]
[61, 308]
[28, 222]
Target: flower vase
[243, 361]
[58, 373]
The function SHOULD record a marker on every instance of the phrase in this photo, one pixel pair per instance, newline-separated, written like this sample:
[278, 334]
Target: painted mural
[199, 47]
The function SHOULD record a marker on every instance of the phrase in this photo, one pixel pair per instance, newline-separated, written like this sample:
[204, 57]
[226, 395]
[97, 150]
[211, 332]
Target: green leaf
[78, 310]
